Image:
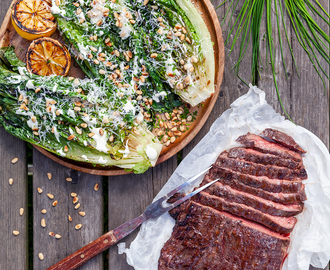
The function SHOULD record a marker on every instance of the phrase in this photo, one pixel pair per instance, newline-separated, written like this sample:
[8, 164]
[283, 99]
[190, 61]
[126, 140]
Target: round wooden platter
[8, 36]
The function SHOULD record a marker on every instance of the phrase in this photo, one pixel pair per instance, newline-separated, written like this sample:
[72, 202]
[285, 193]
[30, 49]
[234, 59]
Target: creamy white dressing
[88, 121]
[156, 97]
[139, 118]
[71, 113]
[70, 130]
[21, 70]
[32, 124]
[15, 79]
[101, 141]
[151, 153]
[84, 157]
[30, 84]
[101, 160]
[23, 112]
[83, 50]
[170, 66]
[129, 107]
[56, 10]
[55, 87]
[56, 133]
[126, 151]
[61, 153]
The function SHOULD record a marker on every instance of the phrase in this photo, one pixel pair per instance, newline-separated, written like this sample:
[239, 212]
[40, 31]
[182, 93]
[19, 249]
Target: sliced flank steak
[252, 155]
[279, 197]
[262, 182]
[232, 195]
[283, 139]
[204, 238]
[283, 225]
[264, 146]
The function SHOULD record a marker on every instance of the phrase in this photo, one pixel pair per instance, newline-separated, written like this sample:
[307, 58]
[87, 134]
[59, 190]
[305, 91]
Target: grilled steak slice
[266, 159]
[262, 182]
[284, 198]
[283, 225]
[283, 139]
[258, 169]
[265, 206]
[262, 145]
[204, 238]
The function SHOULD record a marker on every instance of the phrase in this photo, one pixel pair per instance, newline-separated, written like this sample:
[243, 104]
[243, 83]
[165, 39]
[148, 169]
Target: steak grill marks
[204, 238]
[279, 197]
[259, 170]
[264, 146]
[266, 159]
[283, 139]
[266, 206]
[262, 182]
[228, 225]
[283, 225]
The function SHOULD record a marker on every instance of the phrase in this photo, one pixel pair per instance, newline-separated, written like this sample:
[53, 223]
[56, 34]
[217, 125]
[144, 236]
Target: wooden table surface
[122, 198]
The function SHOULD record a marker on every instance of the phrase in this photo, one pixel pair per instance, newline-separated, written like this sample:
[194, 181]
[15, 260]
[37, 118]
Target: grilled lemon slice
[32, 19]
[46, 56]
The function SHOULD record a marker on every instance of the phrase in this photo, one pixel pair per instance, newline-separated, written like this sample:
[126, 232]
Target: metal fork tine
[192, 194]
[168, 195]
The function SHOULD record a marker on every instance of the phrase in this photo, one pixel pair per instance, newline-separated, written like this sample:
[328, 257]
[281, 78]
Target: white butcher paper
[310, 239]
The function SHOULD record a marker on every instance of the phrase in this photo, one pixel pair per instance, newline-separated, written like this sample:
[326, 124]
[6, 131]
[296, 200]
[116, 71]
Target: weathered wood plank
[56, 217]
[128, 198]
[14, 250]
[303, 98]
[231, 87]
[14, 254]
[310, 105]
[265, 80]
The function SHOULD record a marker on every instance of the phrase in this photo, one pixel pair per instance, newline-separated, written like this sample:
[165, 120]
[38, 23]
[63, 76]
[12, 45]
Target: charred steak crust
[261, 182]
[283, 139]
[265, 206]
[265, 159]
[204, 238]
[274, 172]
[283, 225]
[264, 146]
[279, 197]
[242, 221]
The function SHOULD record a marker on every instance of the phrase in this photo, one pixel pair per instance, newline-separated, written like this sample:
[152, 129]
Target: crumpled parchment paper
[310, 239]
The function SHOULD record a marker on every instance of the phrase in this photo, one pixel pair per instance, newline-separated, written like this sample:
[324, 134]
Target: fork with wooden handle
[153, 211]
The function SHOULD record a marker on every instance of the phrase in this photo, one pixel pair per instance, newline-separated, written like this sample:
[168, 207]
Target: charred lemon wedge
[46, 56]
[32, 19]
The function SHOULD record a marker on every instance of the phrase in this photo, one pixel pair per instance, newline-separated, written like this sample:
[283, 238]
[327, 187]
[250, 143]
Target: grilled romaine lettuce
[159, 47]
[77, 119]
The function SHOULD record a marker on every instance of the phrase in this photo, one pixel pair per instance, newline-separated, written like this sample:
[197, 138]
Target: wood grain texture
[265, 80]
[56, 218]
[303, 98]
[128, 198]
[134, 193]
[14, 249]
[310, 105]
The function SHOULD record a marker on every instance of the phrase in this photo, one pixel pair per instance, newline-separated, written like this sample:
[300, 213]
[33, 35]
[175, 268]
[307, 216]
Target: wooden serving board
[8, 36]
